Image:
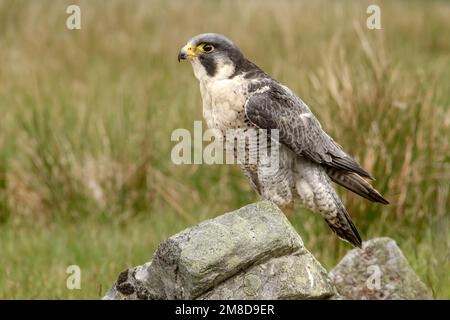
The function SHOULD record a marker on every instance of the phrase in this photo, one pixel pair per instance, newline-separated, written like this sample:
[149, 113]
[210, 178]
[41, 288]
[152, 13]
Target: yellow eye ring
[206, 48]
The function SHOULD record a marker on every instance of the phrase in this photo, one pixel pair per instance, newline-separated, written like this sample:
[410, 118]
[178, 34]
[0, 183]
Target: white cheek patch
[199, 70]
[224, 69]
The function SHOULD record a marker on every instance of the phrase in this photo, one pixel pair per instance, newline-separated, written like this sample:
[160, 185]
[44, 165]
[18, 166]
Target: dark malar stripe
[209, 64]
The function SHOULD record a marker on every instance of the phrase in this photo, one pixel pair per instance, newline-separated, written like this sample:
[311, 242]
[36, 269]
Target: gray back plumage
[273, 106]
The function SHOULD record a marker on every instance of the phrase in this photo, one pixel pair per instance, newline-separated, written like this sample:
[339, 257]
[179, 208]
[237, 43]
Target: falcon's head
[213, 56]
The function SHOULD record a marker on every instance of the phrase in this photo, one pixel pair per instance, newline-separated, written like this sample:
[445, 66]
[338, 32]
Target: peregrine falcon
[238, 94]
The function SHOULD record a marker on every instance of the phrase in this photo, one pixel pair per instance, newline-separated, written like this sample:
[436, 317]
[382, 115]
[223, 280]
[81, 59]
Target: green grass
[85, 170]
[38, 258]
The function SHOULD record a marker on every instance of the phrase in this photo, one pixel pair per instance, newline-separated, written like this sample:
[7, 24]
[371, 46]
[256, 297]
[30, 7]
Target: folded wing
[298, 128]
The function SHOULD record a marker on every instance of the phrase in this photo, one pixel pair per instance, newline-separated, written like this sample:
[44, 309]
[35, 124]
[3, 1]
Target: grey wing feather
[278, 108]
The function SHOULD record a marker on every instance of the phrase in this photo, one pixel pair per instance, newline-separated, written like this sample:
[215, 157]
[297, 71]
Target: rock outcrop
[255, 253]
[378, 271]
[251, 253]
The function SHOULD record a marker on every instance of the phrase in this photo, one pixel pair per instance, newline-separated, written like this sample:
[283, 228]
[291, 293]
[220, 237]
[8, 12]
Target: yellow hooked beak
[188, 51]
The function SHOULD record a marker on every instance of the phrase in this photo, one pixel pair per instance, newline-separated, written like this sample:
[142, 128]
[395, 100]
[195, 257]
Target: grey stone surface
[378, 271]
[255, 253]
[250, 253]
[287, 277]
[134, 284]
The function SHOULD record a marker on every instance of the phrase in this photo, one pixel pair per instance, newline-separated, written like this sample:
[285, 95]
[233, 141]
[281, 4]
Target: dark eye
[208, 48]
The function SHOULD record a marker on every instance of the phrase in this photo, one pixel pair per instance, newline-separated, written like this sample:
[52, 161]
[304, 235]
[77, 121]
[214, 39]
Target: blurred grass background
[86, 117]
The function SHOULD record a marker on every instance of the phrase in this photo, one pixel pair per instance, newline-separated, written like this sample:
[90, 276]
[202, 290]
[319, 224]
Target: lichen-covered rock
[134, 284]
[253, 252]
[378, 271]
[198, 258]
[287, 277]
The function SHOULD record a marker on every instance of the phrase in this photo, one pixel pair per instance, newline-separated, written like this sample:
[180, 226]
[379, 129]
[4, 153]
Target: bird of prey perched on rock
[238, 94]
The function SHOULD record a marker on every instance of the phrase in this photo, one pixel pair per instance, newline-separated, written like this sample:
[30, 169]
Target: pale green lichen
[252, 285]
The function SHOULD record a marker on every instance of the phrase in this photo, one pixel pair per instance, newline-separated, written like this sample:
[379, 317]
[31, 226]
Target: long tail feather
[355, 183]
[343, 225]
